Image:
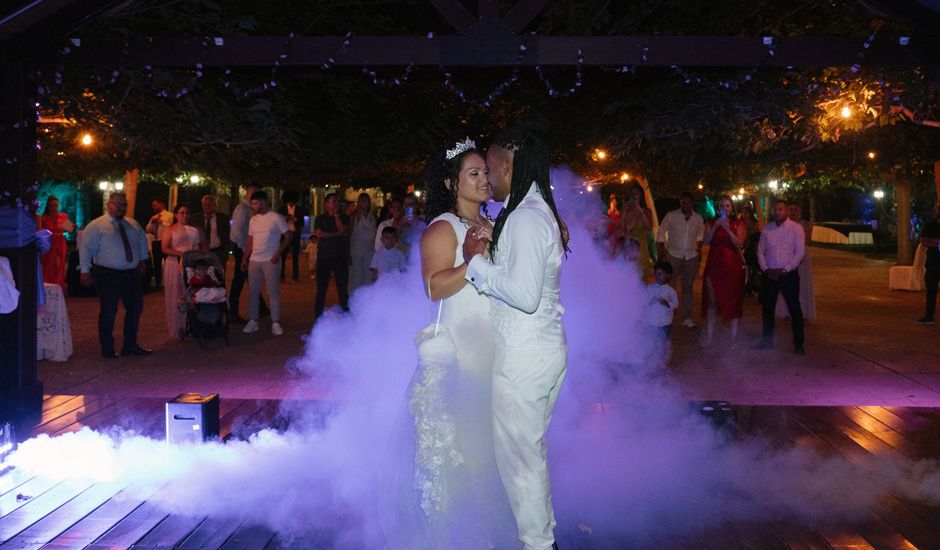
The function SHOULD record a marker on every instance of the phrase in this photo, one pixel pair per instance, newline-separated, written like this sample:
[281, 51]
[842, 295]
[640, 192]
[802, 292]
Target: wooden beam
[455, 14]
[498, 50]
[489, 10]
[523, 13]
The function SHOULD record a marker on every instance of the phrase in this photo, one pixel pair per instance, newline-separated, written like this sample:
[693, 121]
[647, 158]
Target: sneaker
[688, 323]
[250, 326]
[924, 321]
[276, 329]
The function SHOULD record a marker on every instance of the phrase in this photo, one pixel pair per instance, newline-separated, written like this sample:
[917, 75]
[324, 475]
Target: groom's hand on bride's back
[474, 244]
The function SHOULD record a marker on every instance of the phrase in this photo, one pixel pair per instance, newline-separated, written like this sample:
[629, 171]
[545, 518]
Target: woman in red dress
[723, 280]
[53, 262]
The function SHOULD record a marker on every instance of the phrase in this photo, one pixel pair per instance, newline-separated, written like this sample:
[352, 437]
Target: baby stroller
[206, 304]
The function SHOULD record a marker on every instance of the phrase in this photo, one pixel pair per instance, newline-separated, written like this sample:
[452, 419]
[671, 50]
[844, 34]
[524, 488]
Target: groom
[528, 243]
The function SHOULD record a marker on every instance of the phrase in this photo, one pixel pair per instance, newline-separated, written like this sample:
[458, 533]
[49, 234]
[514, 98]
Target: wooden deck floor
[72, 515]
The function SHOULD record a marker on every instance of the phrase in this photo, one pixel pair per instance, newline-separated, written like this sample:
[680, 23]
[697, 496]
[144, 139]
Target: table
[53, 333]
[836, 233]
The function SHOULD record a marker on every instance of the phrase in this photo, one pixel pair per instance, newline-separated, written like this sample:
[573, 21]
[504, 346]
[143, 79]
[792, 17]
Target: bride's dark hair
[439, 198]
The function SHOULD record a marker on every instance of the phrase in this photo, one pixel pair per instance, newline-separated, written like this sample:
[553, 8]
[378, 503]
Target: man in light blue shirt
[113, 256]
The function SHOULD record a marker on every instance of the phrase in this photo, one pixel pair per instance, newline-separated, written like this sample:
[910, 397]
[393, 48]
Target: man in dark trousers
[332, 231]
[930, 239]
[294, 214]
[780, 251]
[113, 256]
[216, 227]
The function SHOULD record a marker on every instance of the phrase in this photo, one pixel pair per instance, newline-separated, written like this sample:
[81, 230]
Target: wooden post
[902, 195]
[936, 177]
[131, 177]
[20, 390]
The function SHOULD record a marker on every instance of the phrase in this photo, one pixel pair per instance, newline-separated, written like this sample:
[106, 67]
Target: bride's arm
[438, 253]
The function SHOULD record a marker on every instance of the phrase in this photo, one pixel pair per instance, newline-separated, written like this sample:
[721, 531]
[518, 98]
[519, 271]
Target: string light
[871, 155]
[846, 112]
[87, 139]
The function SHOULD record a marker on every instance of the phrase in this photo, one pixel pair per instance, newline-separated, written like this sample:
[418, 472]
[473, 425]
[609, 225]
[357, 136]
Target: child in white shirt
[388, 258]
[661, 298]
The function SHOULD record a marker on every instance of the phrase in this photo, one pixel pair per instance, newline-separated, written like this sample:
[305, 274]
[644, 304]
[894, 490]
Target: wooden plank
[841, 540]
[246, 419]
[881, 535]
[33, 488]
[130, 529]
[61, 408]
[255, 537]
[883, 431]
[800, 537]
[173, 530]
[281, 542]
[87, 406]
[12, 479]
[211, 533]
[39, 507]
[65, 516]
[907, 523]
[94, 525]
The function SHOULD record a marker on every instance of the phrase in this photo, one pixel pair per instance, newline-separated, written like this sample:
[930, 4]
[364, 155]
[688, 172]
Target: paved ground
[863, 350]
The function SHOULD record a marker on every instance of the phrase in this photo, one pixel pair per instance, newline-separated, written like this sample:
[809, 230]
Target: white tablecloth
[909, 277]
[828, 235]
[53, 334]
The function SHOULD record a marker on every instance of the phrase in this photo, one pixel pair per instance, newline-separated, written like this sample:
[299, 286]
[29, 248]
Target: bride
[454, 499]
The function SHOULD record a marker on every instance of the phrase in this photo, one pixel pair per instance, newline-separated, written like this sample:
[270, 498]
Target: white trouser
[525, 387]
[269, 275]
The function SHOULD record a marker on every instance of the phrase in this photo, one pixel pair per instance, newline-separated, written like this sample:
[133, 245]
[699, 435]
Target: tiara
[461, 146]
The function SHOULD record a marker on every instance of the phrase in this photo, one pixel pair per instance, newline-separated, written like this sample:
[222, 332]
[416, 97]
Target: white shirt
[657, 313]
[265, 231]
[389, 259]
[241, 216]
[680, 235]
[378, 233]
[525, 279]
[781, 246]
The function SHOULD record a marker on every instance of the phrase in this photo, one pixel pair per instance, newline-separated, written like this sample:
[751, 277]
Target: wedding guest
[332, 231]
[805, 270]
[361, 242]
[680, 243]
[389, 258]
[241, 216]
[178, 240]
[661, 299]
[723, 278]
[53, 262]
[930, 239]
[781, 249]
[156, 227]
[117, 248]
[268, 239]
[311, 252]
[752, 228]
[636, 223]
[216, 228]
[294, 214]
[399, 221]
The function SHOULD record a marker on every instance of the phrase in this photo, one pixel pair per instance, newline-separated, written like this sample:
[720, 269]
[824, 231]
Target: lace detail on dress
[435, 430]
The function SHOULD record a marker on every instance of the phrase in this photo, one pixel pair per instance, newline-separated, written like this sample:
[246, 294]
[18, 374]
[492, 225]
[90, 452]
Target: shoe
[136, 350]
[799, 350]
[688, 323]
[763, 344]
[250, 326]
[924, 321]
[109, 354]
[276, 329]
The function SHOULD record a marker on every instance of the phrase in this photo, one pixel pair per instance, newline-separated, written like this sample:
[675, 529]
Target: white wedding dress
[448, 493]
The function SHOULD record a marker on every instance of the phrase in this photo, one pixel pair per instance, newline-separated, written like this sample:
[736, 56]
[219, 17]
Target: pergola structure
[31, 36]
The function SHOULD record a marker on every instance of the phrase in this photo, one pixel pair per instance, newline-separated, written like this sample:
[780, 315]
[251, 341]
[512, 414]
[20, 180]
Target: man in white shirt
[680, 243]
[161, 220]
[528, 244]
[268, 239]
[781, 248]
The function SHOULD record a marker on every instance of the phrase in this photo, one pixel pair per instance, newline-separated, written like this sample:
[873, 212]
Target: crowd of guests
[352, 247]
[743, 254]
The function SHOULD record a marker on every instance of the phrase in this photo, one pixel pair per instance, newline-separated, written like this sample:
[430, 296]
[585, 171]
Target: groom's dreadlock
[531, 163]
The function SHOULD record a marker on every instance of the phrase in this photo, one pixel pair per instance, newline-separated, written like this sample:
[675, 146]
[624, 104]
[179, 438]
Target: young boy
[661, 299]
[389, 258]
[311, 251]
